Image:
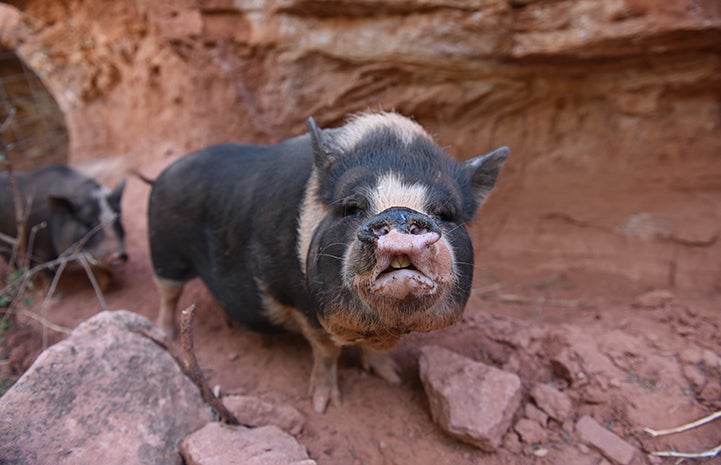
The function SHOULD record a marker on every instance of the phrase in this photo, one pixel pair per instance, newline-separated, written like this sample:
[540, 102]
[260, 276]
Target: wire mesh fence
[33, 126]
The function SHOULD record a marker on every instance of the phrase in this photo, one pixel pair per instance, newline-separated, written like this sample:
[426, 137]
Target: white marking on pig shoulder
[360, 126]
[391, 191]
[311, 213]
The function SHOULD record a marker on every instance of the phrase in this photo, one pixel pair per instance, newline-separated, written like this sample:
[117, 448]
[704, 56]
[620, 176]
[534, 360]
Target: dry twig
[680, 429]
[189, 364]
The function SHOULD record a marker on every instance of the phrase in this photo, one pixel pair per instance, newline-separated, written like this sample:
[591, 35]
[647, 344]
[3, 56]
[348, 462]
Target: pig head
[389, 251]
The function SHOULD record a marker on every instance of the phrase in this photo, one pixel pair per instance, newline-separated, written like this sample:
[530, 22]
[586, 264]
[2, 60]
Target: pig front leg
[323, 387]
[380, 363]
[169, 295]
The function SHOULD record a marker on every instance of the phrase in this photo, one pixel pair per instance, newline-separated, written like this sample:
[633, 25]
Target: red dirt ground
[541, 326]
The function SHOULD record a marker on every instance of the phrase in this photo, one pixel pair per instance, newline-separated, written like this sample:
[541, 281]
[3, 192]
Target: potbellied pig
[353, 235]
[65, 211]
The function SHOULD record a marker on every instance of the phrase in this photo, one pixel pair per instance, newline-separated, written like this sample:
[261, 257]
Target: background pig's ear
[483, 171]
[117, 193]
[60, 205]
[323, 156]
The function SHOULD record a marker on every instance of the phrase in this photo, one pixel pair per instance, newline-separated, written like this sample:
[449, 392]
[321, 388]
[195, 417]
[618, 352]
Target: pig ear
[117, 193]
[484, 169]
[60, 205]
[323, 155]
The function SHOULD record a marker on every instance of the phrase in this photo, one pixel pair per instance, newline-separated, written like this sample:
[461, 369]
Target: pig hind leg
[170, 291]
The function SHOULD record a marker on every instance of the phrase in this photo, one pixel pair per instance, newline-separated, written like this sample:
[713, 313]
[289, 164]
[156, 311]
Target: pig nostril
[415, 229]
[371, 233]
[382, 231]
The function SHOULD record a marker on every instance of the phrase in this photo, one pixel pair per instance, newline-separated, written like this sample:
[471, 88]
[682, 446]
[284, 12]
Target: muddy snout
[117, 259]
[109, 255]
[411, 259]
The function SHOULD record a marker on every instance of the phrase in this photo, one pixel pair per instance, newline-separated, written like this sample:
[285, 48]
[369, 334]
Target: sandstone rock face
[612, 109]
[105, 395]
[471, 401]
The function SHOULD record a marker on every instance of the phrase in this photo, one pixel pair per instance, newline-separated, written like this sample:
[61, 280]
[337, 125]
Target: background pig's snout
[117, 258]
[401, 219]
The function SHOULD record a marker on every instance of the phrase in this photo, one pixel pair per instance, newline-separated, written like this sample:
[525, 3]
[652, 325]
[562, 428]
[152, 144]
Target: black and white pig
[74, 209]
[353, 235]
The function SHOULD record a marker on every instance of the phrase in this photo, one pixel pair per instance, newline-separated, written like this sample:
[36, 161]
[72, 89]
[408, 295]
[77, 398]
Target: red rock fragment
[530, 431]
[221, 444]
[471, 401]
[653, 299]
[610, 445]
[552, 401]
[254, 411]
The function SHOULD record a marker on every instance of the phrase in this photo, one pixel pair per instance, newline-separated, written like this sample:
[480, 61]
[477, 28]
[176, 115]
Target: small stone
[530, 431]
[611, 446]
[691, 355]
[254, 411]
[221, 444]
[653, 299]
[552, 401]
[534, 413]
[694, 376]
[471, 401]
[540, 452]
[711, 362]
[711, 392]
[512, 443]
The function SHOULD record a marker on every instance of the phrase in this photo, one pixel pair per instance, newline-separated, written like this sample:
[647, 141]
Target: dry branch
[680, 429]
[185, 357]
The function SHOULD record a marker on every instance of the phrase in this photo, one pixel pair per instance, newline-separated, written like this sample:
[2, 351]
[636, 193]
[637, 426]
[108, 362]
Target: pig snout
[411, 259]
[117, 259]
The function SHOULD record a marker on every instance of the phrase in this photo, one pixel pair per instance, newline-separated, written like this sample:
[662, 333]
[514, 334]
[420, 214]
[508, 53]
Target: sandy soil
[625, 365]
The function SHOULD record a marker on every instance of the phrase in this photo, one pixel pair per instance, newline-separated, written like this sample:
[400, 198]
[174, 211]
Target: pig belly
[231, 285]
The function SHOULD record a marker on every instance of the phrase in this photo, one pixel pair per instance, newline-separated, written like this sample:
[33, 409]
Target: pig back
[228, 214]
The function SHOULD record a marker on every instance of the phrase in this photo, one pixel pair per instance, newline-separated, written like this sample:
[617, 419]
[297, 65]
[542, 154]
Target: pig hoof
[324, 395]
[381, 364]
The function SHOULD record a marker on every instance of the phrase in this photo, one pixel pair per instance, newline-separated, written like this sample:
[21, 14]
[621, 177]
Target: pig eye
[447, 215]
[352, 208]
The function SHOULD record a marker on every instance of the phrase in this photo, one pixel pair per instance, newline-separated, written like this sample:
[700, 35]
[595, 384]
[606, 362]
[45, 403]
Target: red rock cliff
[612, 109]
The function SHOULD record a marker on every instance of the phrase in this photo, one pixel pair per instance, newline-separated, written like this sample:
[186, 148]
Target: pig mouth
[113, 261]
[400, 278]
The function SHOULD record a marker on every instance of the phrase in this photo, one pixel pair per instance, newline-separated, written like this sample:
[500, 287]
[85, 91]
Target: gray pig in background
[67, 209]
[353, 235]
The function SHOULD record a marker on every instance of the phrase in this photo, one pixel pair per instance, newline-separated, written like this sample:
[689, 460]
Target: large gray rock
[471, 401]
[106, 395]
